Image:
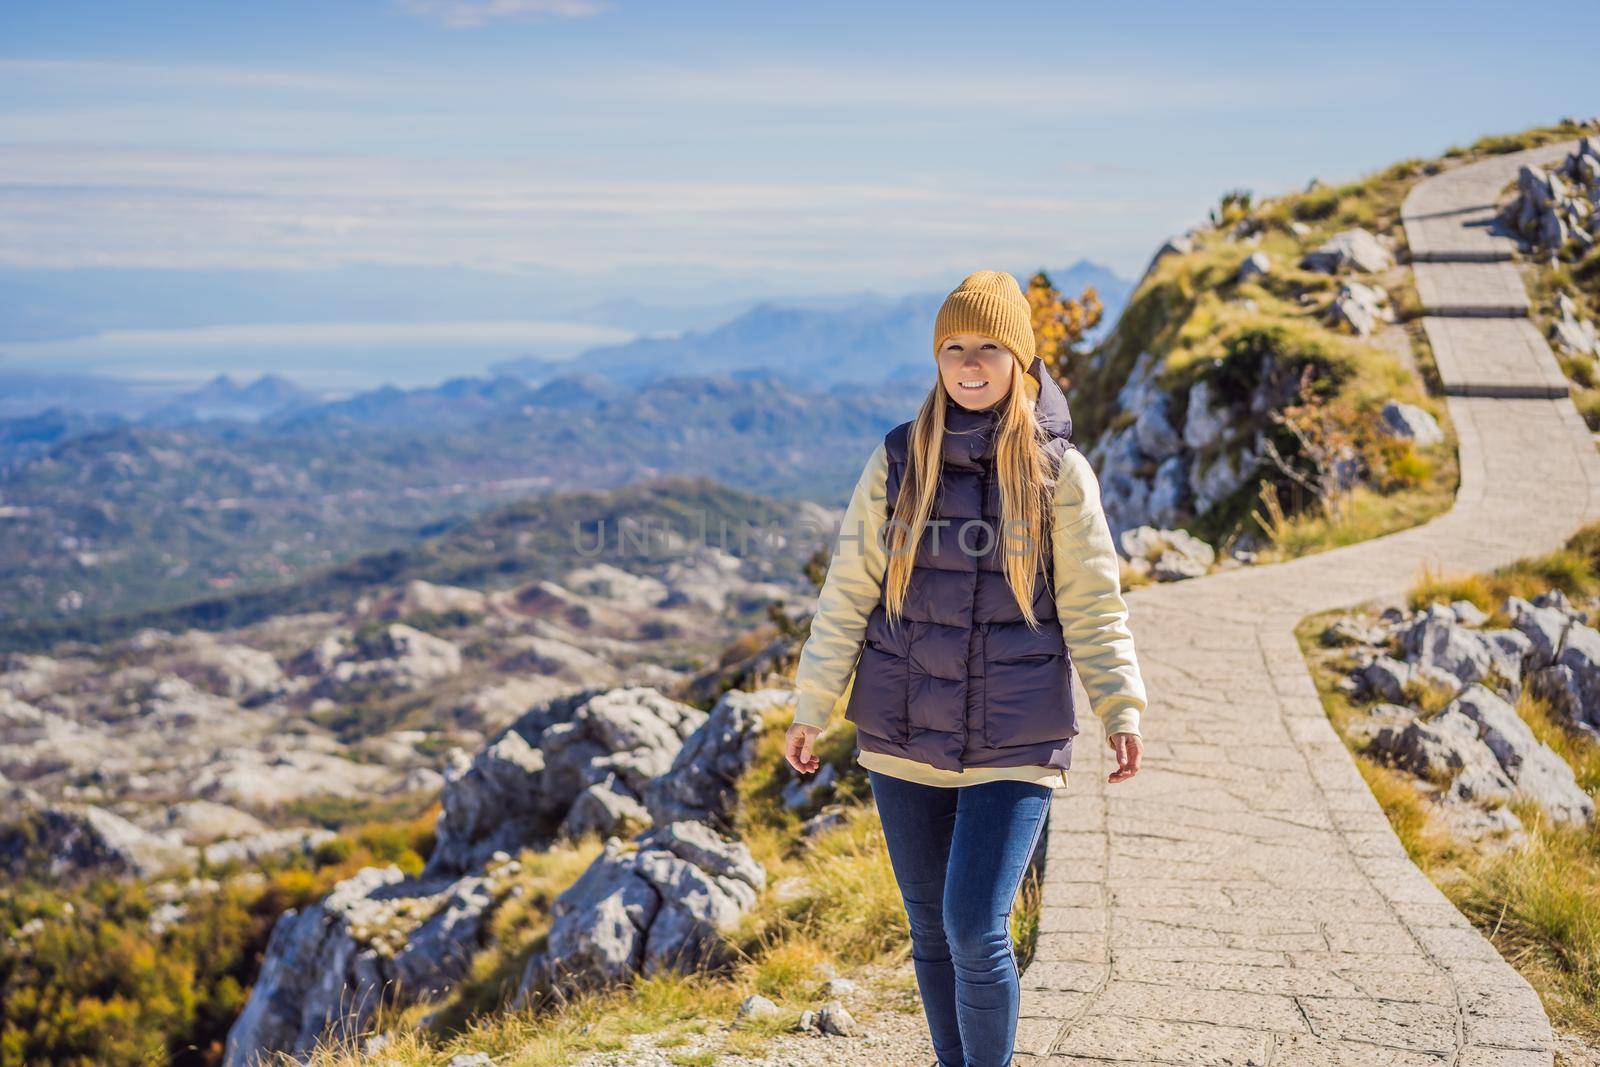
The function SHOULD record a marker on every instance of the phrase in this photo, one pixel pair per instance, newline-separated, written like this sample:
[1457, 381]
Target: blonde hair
[1026, 487]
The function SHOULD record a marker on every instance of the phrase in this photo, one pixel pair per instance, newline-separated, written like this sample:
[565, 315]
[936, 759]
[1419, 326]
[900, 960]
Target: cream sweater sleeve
[851, 589]
[1093, 615]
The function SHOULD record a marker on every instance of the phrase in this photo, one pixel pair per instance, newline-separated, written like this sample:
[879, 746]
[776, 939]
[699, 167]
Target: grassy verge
[1199, 321]
[1203, 323]
[1579, 278]
[1538, 903]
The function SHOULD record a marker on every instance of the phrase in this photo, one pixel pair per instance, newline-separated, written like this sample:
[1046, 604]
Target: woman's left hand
[1129, 749]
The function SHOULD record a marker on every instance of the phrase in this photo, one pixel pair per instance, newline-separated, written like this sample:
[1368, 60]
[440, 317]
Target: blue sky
[752, 148]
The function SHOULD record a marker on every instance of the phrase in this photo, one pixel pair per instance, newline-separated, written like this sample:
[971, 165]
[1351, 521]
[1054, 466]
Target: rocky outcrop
[1487, 753]
[1565, 659]
[1172, 457]
[1178, 245]
[1573, 333]
[1165, 555]
[1439, 638]
[395, 657]
[377, 938]
[577, 764]
[381, 937]
[58, 842]
[1163, 468]
[656, 903]
[1182, 455]
[224, 668]
[1554, 208]
[257, 847]
[418, 597]
[1354, 249]
[282, 770]
[1477, 754]
[663, 900]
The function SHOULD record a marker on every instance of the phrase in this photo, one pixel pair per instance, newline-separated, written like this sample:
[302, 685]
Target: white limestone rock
[1255, 265]
[1354, 248]
[1399, 419]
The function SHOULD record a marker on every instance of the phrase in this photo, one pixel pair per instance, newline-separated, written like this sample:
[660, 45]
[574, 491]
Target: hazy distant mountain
[811, 343]
[248, 485]
[644, 317]
[224, 397]
[31, 435]
[574, 391]
[126, 517]
[810, 340]
[28, 392]
[499, 547]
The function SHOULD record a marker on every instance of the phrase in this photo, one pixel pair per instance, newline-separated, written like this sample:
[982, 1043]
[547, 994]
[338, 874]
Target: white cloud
[98, 74]
[470, 14]
[326, 335]
[96, 205]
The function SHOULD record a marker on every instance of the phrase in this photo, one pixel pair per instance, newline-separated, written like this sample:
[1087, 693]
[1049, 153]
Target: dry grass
[1202, 323]
[1366, 514]
[1189, 311]
[1540, 903]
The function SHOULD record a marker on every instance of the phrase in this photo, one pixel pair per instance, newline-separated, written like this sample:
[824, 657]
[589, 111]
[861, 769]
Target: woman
[973, 553]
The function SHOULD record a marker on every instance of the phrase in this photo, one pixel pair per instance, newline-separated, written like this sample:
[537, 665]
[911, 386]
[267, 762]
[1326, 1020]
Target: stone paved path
[1243, 900]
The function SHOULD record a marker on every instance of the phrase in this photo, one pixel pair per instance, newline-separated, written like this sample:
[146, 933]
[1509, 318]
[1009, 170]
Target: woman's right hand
[799, 748]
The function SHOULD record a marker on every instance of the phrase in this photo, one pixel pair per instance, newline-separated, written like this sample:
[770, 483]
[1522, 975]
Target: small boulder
[1255, 265]
[1355, 248]
[1447, 747]
[1349, 631]
[1166, 555]
[755, 1006]
[840, 988]
[1560, 687]
[801, 792]
[831, 816]
[1410, 422]
[1539, 773]
[834, 1019]
[1361, 307]
[1385, 677]
[1546, 629]
[1572, 332]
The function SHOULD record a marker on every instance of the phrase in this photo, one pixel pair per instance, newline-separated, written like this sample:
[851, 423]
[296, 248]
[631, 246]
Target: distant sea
[330, 358]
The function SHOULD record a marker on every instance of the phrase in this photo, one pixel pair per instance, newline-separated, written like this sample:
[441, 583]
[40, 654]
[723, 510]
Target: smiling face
[976, 370]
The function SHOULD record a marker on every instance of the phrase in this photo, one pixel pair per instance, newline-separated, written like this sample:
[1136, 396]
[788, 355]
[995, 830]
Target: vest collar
[1051, 409]
[969, 435]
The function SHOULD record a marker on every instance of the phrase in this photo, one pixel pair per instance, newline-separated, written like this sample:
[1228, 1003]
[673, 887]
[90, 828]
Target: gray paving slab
[1470, 289]
[1248, 869]
[1493, 357]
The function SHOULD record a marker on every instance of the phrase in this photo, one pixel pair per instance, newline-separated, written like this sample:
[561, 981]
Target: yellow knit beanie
[989, 302]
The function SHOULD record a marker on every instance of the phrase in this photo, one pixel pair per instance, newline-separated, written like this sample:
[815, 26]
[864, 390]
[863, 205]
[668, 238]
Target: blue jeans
[959, 855]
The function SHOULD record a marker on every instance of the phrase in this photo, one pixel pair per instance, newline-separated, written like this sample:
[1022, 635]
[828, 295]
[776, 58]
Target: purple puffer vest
[962, 680]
